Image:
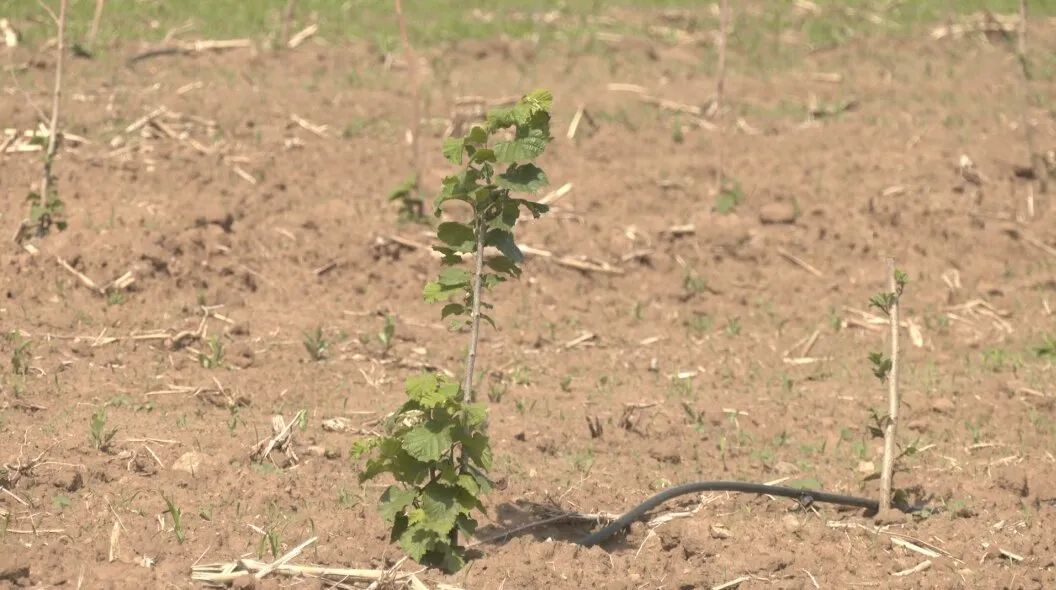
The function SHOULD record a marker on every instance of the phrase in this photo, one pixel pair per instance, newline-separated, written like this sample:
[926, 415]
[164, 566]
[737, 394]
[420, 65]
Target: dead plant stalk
[891, 424]
[416, 114]
[720, 89]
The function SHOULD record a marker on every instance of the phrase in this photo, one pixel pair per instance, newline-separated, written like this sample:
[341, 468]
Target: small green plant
[435, 446]
[694, 284]
[114, 297]
[412, 206]
[497, 391]
[436, 449]
[20, 355]
[177, 518]
[272, 539]
[388, 333]
[1047, 349]
[44, 213]
[733, 326]
[213, 356]
[729, 197]
[316, 344]
[97, 432]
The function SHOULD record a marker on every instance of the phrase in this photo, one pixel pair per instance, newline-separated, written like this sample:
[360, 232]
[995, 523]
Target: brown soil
[722, 304]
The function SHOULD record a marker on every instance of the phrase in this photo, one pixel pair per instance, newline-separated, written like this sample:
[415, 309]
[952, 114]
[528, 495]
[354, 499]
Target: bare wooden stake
[416, 114]
[891, 424]
[720, 89]
[1037, 159]
[96, 18]
[287, 20]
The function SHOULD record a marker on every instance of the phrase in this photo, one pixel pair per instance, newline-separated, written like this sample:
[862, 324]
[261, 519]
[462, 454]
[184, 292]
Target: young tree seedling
[46, 210]
[436, 445]
[885, 368]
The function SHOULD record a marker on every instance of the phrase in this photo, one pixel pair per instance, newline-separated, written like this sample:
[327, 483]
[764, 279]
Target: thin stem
[474, 316]
[412, 70]
[720, 90]
[891, 425]
[287, 21]
[53, 144]
[96, 19]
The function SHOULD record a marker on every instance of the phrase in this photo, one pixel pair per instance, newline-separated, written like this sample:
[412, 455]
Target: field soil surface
[713, 336]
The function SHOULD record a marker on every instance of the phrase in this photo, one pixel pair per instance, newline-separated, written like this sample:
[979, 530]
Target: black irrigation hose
[804, 496]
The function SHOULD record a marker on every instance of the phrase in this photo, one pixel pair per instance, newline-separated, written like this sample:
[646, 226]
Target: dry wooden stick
[891, 425]
[96, 18]
[287, 19]
[416, 114]
[1037, 160]
[720, 88]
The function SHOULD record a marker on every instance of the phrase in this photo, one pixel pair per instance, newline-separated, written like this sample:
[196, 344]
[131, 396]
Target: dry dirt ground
[242, 227]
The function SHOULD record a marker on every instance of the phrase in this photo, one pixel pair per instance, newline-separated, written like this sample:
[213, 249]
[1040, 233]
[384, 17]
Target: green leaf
[503, 241]
[527, 178]
[520, 148]
[457, 235]
[454, 277]
[881, 365]
[478, 449]
[504, 265]
[361, 447]
[537, 209]
[453, 148]
[466, 525]
[435, 292]
[440, 506]
[452, 309]
[428, 441]
[417, 540]
[393, 502]
[483, 155]
[426, 390]
[728, 200]
[476, 414]
[539, 100]
[453, 560]
[450, 256]
[883, 301]
[469, 483]
[477, 136]
[901, 279]
[448, 389]
[500, 118]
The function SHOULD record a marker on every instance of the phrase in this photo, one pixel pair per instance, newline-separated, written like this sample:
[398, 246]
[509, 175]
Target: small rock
[719, 531]
[241, 355]
[338, 424]
[785, 468]
[942, 404]
[791, 523]
[866, 467]
[189, 462]
[778, 212]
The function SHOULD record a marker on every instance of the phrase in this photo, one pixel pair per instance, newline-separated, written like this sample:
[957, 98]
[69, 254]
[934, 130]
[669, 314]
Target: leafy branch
[512, 136]
[436, 449]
